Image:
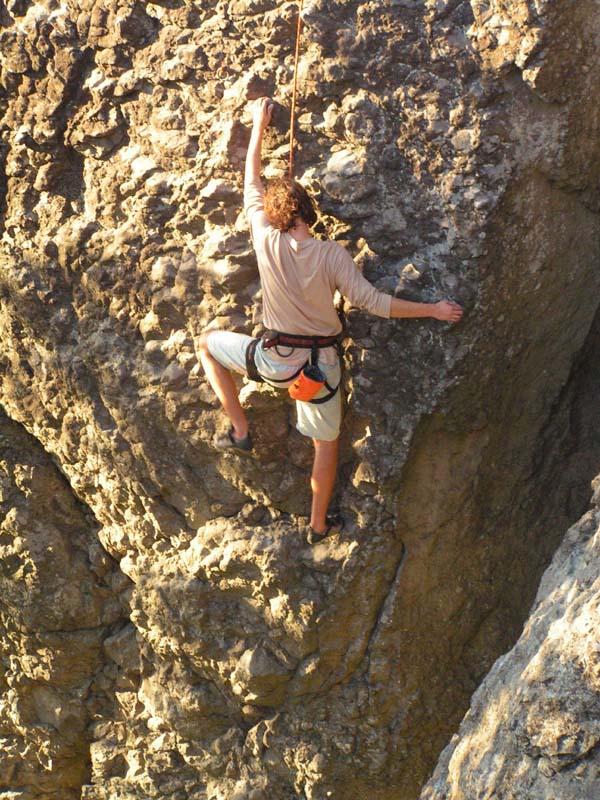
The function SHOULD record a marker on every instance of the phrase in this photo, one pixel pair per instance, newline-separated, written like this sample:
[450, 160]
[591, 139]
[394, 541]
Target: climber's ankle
[318, 525]
[240, 431]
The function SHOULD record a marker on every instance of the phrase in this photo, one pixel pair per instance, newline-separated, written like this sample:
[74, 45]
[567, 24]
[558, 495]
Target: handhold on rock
[260, 677]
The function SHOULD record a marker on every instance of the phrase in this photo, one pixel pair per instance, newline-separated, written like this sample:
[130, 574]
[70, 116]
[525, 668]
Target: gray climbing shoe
[228, 443]
[334, 524]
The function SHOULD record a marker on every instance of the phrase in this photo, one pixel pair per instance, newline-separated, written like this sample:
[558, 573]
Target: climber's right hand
[262, 112]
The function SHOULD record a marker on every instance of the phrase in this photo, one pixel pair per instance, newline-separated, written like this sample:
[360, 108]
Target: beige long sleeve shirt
[299, 279]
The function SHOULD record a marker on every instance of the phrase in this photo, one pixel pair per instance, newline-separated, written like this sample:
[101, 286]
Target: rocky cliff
[533, 728]
[205, 651]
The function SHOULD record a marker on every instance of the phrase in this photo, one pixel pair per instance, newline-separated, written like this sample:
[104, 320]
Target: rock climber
[299, 276]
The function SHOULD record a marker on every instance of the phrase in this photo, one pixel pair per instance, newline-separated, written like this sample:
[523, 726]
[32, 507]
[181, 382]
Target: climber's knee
[202, 341]
[326, 445]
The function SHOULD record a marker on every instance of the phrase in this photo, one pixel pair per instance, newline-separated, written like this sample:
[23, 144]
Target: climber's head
[285, 201]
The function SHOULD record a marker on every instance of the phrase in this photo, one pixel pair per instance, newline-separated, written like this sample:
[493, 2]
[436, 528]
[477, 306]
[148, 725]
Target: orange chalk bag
[311, 379]
[308, 384]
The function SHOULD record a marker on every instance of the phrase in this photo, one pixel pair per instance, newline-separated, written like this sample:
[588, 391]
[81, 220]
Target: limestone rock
[453, 148]
[55, 610]
[534, 723]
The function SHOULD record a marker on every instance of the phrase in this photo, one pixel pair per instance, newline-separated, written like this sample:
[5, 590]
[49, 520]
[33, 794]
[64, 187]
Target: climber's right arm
[253, 188]
[261, 116]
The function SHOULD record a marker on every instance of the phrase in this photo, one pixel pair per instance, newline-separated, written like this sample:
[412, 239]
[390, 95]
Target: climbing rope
[293, 111]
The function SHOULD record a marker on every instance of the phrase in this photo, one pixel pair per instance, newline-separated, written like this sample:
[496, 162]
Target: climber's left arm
[361, 293]
[444, 310]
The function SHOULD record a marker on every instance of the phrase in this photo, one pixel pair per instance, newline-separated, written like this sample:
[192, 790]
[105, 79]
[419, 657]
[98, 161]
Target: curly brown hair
[285, 200]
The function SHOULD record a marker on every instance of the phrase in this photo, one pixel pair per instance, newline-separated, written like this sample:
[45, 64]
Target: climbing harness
[308, 377]
[293, 110]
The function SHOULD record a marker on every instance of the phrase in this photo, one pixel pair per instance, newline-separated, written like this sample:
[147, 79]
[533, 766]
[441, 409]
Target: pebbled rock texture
[60, 607]
[533, 729]
[453, 147]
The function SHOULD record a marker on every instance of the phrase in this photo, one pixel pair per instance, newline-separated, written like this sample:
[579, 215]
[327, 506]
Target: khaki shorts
[318, 420]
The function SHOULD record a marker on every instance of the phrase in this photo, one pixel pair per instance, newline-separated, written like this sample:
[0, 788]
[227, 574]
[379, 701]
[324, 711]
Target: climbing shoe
[228, 442]
[334, 524]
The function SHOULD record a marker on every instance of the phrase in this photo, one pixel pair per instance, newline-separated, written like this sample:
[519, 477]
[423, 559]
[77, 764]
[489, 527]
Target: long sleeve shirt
[299, 279]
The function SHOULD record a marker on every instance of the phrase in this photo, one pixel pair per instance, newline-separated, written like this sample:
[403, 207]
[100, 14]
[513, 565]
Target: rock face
[449, 148]
[534, 724]
[59, 611]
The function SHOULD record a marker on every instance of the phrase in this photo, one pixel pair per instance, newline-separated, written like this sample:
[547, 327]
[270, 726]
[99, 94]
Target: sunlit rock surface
[534, 724]
[62, 601]
[453, 147]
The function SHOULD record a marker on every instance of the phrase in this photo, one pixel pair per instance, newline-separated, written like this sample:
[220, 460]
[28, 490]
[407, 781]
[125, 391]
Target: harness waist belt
[275, 338]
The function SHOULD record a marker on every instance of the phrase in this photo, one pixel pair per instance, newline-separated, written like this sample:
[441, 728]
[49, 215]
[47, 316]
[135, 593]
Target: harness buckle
[270, 339]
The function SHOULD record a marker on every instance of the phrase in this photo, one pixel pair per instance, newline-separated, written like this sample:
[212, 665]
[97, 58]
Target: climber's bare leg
[224, 386]
[322, 481]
